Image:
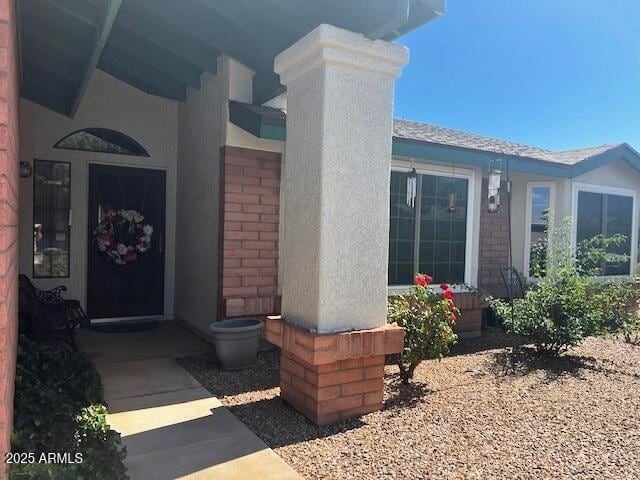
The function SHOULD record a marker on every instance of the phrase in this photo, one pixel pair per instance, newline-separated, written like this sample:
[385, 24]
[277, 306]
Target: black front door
[126, 242]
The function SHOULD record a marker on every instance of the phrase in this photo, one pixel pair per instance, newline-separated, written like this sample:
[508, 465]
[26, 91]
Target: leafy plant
[594, 254]
[618, 304]
[59, 407]
[428, 317]
[560, 310]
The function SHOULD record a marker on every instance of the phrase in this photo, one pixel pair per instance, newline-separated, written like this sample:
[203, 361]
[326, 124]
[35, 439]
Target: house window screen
[431, 236]
[607, 215]
[51, 230]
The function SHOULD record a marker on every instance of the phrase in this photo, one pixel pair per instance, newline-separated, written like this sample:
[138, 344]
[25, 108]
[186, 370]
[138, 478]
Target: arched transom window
[102, 140]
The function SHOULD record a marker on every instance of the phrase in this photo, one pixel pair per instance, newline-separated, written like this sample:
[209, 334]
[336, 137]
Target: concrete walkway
[171, 425]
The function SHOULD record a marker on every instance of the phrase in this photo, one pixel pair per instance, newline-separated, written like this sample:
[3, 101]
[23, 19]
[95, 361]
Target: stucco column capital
[329, 45]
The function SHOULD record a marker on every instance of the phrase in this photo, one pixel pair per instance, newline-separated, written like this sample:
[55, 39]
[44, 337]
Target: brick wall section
[250, 205]
[494, 243]
[334, 391]
[333, 376]
[8, 219]
[471, 306]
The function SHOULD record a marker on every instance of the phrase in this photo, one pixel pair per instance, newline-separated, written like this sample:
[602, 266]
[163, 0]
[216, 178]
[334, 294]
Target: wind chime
[412, 188]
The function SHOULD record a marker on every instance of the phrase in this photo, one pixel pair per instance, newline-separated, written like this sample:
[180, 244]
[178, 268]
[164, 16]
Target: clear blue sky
[556, 74]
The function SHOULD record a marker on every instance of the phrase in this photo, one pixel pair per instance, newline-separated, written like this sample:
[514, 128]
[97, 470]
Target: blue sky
[556, 74]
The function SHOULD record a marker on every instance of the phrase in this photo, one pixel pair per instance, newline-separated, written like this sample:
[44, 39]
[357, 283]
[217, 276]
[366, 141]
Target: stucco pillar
[336, 187]
[333, 334]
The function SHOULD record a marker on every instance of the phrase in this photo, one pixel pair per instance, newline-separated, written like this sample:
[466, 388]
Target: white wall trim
[527, 226]
[625, 192]
[454, 172]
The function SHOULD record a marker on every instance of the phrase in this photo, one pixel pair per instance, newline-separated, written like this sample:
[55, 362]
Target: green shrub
[428, 317]
[59, 407]
[618, 303]
[567, 305]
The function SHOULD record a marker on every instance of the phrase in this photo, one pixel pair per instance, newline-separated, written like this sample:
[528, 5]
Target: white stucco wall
[108, 103]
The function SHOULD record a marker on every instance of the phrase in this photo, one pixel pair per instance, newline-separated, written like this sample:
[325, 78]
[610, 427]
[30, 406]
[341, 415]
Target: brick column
[336, 194]
[8, 219]
[333, 376]
[250, 205]
[494, 243]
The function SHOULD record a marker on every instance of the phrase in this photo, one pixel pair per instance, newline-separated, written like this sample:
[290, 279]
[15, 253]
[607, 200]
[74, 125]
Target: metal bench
[45, 316]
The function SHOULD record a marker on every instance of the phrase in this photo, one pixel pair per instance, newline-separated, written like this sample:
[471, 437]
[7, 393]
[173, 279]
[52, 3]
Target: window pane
[51, 184]
[540, 204]
[102, 140]
[443, 228]
[618, 222]
[607, 215]
[401, 232]
[589, 222]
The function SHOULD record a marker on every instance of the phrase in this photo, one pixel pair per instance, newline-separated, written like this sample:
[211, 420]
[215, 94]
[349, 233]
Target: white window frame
[527, 227]
[452, 172]
[624, 192]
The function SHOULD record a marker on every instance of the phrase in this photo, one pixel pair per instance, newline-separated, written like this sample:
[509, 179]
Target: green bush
[566, 305]
[428, 317]
[59, 407]
[618, 303]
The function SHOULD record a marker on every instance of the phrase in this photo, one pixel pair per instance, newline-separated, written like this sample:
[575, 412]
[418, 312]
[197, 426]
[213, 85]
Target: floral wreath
[109, 233]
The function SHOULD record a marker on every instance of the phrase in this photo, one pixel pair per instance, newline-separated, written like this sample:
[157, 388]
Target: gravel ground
[484, 412]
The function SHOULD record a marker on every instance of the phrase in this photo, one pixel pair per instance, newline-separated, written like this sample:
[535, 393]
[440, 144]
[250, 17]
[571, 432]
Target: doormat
[129, 327]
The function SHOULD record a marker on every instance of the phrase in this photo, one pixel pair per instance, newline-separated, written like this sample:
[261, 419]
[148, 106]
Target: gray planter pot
[236, 342]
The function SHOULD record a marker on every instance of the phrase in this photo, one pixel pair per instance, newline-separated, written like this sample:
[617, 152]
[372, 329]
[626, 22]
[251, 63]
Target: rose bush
[428, 316]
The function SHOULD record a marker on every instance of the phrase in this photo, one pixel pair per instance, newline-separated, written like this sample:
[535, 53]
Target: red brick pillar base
[331, 377]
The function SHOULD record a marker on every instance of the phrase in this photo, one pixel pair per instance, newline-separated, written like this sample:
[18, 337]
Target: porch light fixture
[495, 169]
[25, 169]
[412, 188]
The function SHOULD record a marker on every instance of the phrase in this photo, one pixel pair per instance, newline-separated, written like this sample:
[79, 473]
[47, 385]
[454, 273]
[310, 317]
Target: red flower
[423, 280]
[452, 317]
[447, 294]
[444, 286]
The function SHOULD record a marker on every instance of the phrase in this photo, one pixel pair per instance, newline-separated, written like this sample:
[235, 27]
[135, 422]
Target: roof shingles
[435, 134]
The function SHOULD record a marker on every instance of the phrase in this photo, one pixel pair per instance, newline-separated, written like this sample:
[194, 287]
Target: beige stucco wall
[108, 103]
[203, 128]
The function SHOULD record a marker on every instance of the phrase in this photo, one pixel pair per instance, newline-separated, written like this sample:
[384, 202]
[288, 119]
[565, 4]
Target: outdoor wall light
[25, 169]
[494, 186]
